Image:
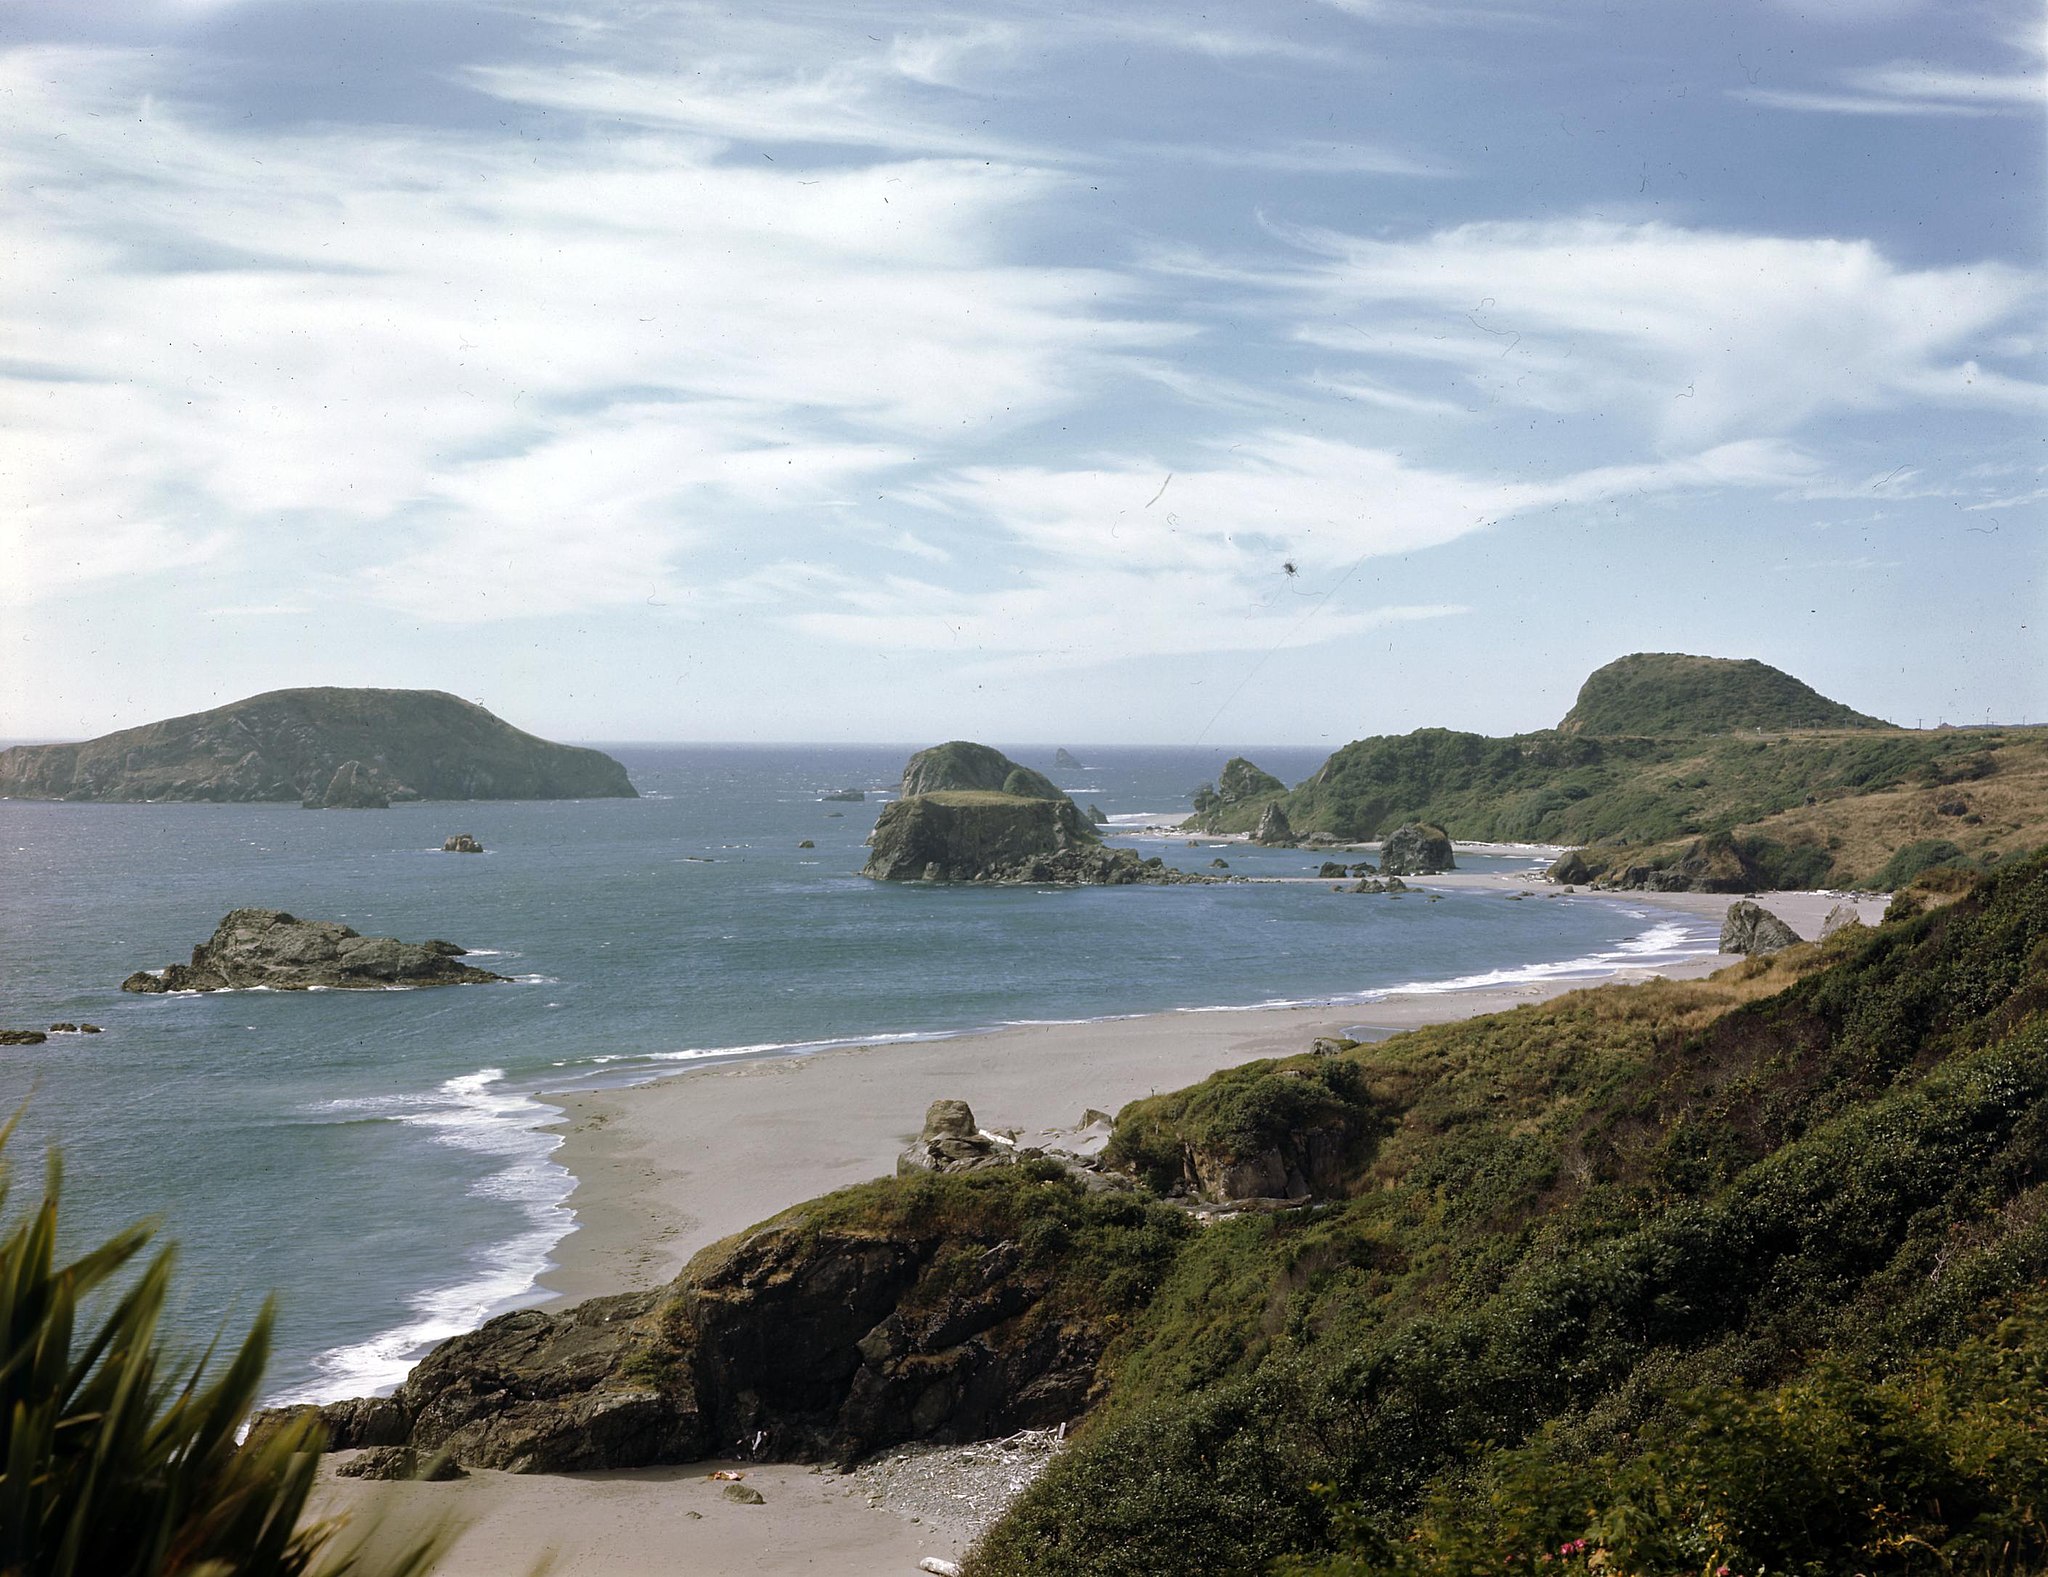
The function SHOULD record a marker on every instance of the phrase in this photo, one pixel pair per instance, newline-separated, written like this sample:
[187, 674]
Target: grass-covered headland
[1667, 757]
[1738, 1275]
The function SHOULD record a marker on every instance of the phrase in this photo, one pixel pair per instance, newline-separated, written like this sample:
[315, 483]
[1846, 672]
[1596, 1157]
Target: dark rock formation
[461, 843]
[1332, 868]
[399, 1462]
[1416, 850]
[267, 947]
[1569, 869]
[845, 796]
[1065, 758]
[22, 1037]
[1273, 830]
[1717, 863]
[356, 787]
[914, 1309]
[806, 843]
[291, 744]
[1752, 929]
[963, 765]
[1243, 780]
[1096, 817]
[1001, 838]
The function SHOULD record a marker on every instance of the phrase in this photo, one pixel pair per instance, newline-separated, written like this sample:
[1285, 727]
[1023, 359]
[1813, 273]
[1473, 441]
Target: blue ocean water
[374, 1157]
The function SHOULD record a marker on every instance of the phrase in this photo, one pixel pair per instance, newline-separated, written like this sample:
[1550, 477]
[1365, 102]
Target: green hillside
[1703, 1274]
[1812, 805]
[1671, 693]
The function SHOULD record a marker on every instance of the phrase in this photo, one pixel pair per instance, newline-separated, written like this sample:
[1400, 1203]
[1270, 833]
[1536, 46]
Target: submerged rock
[1752, 929]
[267, 947]
[1416, 850]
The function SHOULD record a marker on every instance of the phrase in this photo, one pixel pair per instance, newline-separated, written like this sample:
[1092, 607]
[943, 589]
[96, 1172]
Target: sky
[1122, 373]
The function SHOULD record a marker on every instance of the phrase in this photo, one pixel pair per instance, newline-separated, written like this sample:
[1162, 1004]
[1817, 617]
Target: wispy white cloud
[1304, 158]
[1690, 335]
[1912, 88]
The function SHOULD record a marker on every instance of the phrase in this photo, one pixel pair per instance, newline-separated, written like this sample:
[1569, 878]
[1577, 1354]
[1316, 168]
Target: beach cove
[664, 1168]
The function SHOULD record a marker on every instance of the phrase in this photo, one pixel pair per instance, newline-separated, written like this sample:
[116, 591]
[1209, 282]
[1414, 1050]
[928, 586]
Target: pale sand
[663, 1169]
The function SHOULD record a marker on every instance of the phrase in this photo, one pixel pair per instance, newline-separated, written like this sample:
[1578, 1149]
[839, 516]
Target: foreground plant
[118, 1459]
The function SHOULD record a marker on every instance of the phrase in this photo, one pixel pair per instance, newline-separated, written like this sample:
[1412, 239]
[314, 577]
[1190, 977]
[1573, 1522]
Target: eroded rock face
[1842, 917]
[1274, 829]
[267, 947]
[1750, 928]
[801, 1340]
[1416, 850]
[953, 1142]
[356, 787]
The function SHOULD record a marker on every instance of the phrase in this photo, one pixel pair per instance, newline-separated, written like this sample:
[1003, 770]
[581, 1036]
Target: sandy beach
[665, 1168]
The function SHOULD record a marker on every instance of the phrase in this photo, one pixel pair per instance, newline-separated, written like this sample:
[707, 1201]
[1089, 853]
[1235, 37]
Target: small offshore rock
[461, 843]
[268, 947]
[22, 1037]
[1219, 865]
[1332, 868]
[63, 1029]
[1753, 930]
[1065, 758]
[745, 1495]
[845, 796]
[806, 843]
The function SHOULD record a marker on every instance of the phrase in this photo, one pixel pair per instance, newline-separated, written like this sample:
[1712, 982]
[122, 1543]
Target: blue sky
[1137, 372]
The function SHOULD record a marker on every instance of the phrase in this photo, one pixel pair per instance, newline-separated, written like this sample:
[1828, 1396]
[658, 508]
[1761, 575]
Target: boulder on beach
[268, 947]
[1569, 869]
[1842, 917]
[461, 843]
[952, 1142]
[1416, 850]
[1753, 930]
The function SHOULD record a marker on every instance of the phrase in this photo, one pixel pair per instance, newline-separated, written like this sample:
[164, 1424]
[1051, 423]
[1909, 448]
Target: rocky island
[279, 951]
[326, 748]
[971, 814]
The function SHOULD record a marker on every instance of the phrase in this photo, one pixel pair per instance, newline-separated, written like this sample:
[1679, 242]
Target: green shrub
[1914, 858]
[116, 1461]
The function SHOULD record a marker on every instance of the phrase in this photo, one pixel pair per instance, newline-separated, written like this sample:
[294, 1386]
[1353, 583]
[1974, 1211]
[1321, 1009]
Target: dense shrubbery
[1939, 1467]
[1238, 1112]
[1580, 1215]
[1914, 858]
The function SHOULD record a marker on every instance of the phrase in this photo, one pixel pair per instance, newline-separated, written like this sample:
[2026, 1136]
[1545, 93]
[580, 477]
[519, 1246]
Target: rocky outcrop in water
[22, 1037]
[1752, 929]
[1002, 839]
[845, 797]
[912, 1309]
[1065, 758]
[461, 843]
[1416, 850]
[326, 748]
[267, 947]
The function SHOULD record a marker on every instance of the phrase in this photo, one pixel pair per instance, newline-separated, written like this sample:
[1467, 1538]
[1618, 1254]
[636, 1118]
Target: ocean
[377, 1160]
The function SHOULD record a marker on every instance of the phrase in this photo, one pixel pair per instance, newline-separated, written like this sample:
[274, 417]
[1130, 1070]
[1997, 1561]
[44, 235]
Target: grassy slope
[1670, 693]
[1871, 791]
[1577, 1213]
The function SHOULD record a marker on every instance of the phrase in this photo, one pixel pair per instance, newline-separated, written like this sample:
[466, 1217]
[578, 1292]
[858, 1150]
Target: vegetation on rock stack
[1684, 1276]
[1800, 806]
[1670, 693]
[319, 746]
[960, 764]
[1240, 783]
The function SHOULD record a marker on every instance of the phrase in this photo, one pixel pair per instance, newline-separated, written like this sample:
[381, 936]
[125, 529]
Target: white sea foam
[477, 1114]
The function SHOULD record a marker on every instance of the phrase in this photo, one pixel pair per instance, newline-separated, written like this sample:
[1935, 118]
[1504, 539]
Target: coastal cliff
[323, 747]
[942, 1307]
